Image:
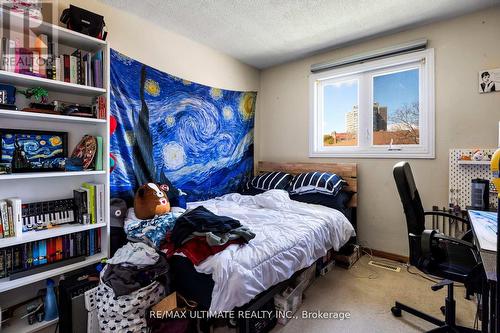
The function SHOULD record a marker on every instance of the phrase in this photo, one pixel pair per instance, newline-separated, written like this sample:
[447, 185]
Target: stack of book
[25, 256]
[10, 217]
[89, 203]
[39, 59]
[80, 67]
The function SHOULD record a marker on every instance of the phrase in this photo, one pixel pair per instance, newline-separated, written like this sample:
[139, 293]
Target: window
[382, 108]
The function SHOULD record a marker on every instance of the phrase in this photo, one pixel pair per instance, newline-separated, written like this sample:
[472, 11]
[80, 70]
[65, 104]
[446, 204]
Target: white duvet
[290, 235]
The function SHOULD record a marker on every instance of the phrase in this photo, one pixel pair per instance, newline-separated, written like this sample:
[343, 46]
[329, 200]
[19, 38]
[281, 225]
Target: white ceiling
[263, 33]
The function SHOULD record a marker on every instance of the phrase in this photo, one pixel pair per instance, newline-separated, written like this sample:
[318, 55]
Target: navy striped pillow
[317, 182]
[269, 181]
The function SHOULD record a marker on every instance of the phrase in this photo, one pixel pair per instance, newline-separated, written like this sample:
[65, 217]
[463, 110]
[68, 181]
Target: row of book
[22, 257]
[40, 59]
[10, 217]
[89, 203]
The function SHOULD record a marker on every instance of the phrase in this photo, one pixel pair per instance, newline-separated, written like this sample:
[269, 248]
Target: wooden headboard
[348, 171]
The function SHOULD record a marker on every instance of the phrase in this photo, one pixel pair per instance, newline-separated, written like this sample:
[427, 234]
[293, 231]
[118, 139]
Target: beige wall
[170, 52]
[464, 118]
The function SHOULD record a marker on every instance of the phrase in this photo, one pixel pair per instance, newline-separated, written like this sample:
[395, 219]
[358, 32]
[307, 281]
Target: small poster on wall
[489, 80]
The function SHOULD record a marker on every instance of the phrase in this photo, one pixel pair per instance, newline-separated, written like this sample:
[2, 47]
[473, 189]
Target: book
[3, 54]
[10, 217]
[16, 205]
[73, 70]
[65, 64]
[58, 69]
[42, 252]
[5, 218]
[3, 271]
[99, 153]
[59, 248]
[78, 56]
[88, 218]
[41, 45]
[92, 201]
[35, 254]
[80, 199]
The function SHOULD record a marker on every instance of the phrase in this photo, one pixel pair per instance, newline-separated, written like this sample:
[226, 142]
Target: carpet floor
[368, 293]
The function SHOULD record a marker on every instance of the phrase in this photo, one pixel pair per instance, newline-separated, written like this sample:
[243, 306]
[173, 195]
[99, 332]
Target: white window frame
[424, 60]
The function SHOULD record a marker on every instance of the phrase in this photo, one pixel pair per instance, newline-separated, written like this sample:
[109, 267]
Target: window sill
[375, 154]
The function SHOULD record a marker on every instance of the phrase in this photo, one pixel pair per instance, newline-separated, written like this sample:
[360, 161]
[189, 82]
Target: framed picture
[33, 151]
[489, 80]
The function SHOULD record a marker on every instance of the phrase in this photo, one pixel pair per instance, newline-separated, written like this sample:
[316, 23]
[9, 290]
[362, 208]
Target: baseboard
[387, 255]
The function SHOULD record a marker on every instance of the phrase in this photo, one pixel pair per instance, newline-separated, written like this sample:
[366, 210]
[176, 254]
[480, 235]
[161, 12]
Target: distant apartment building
[379, 117]
[351, 120]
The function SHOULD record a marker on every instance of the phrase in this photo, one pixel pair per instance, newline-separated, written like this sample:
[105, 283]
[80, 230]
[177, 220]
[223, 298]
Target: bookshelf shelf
[18, 22]
[24, 80]
[31, 175]
[32, 236]
[6, 284]
[50, 117]
[21, 325]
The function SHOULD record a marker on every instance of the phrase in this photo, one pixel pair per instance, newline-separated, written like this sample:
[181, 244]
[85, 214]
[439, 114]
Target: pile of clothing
[152, 231]
[199, 233]
[129, 285]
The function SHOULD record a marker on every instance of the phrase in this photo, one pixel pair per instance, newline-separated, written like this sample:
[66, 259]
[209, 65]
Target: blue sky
[392, 90]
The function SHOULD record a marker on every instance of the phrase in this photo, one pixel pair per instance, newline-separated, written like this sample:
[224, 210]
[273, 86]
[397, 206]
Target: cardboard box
[346, 260]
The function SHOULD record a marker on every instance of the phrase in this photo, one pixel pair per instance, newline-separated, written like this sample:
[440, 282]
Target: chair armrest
[455, 240]
[451, 216]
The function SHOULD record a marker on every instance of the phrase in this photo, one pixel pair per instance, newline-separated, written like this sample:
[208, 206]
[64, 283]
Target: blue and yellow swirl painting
[39, 151]
[168, 129]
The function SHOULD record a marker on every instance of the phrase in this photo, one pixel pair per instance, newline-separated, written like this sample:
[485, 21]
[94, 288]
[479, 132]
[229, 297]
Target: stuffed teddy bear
[151, 200]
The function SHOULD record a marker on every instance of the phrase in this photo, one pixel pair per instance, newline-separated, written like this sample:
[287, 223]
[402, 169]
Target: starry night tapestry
[199, 138]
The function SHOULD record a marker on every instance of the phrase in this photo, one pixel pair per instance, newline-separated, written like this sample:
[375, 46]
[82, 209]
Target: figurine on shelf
[40, 94]
[478, 155]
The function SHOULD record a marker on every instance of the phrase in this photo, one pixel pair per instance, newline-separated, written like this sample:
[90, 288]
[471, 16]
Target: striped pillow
[317, 182]
[270, 180]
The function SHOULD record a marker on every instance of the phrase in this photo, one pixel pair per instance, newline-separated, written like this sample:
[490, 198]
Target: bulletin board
[461, 175]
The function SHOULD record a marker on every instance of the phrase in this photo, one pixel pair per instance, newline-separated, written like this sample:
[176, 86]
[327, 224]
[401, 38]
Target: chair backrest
[412, 205]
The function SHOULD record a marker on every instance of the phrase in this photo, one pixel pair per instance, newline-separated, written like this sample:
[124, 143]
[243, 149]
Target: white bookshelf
[38, 186]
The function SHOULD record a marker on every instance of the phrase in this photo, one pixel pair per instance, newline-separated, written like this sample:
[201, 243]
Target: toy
[40, 94]
[478, 155]
[151, 200]
[118, 212]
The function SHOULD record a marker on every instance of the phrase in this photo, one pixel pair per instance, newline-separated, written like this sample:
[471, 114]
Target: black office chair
[433, 253]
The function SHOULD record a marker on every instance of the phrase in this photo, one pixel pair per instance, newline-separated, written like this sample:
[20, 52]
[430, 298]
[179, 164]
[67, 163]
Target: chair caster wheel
[396, 311]
[443, 310]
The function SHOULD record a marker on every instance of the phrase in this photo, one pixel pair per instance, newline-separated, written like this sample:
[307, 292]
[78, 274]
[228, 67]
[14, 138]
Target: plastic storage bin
[288, 302]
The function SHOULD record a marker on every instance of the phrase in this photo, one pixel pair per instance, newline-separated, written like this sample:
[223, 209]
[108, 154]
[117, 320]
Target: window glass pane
[340, 115]
[396, 108]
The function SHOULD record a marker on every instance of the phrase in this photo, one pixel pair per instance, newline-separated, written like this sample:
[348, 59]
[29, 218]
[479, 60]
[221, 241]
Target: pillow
[316, 182]
[270, 180]
[338, 202]
[250, 190]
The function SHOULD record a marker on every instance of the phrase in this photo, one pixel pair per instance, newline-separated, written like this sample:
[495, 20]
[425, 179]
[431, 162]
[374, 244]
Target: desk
[489, 260]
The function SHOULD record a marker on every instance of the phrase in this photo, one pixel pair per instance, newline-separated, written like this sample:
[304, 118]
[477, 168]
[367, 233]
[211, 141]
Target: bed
[291, 236]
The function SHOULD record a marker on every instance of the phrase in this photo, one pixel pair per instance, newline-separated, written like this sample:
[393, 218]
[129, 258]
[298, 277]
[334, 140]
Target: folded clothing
[201, 219]
[135, 254]
[197, 248]
[125, 279]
